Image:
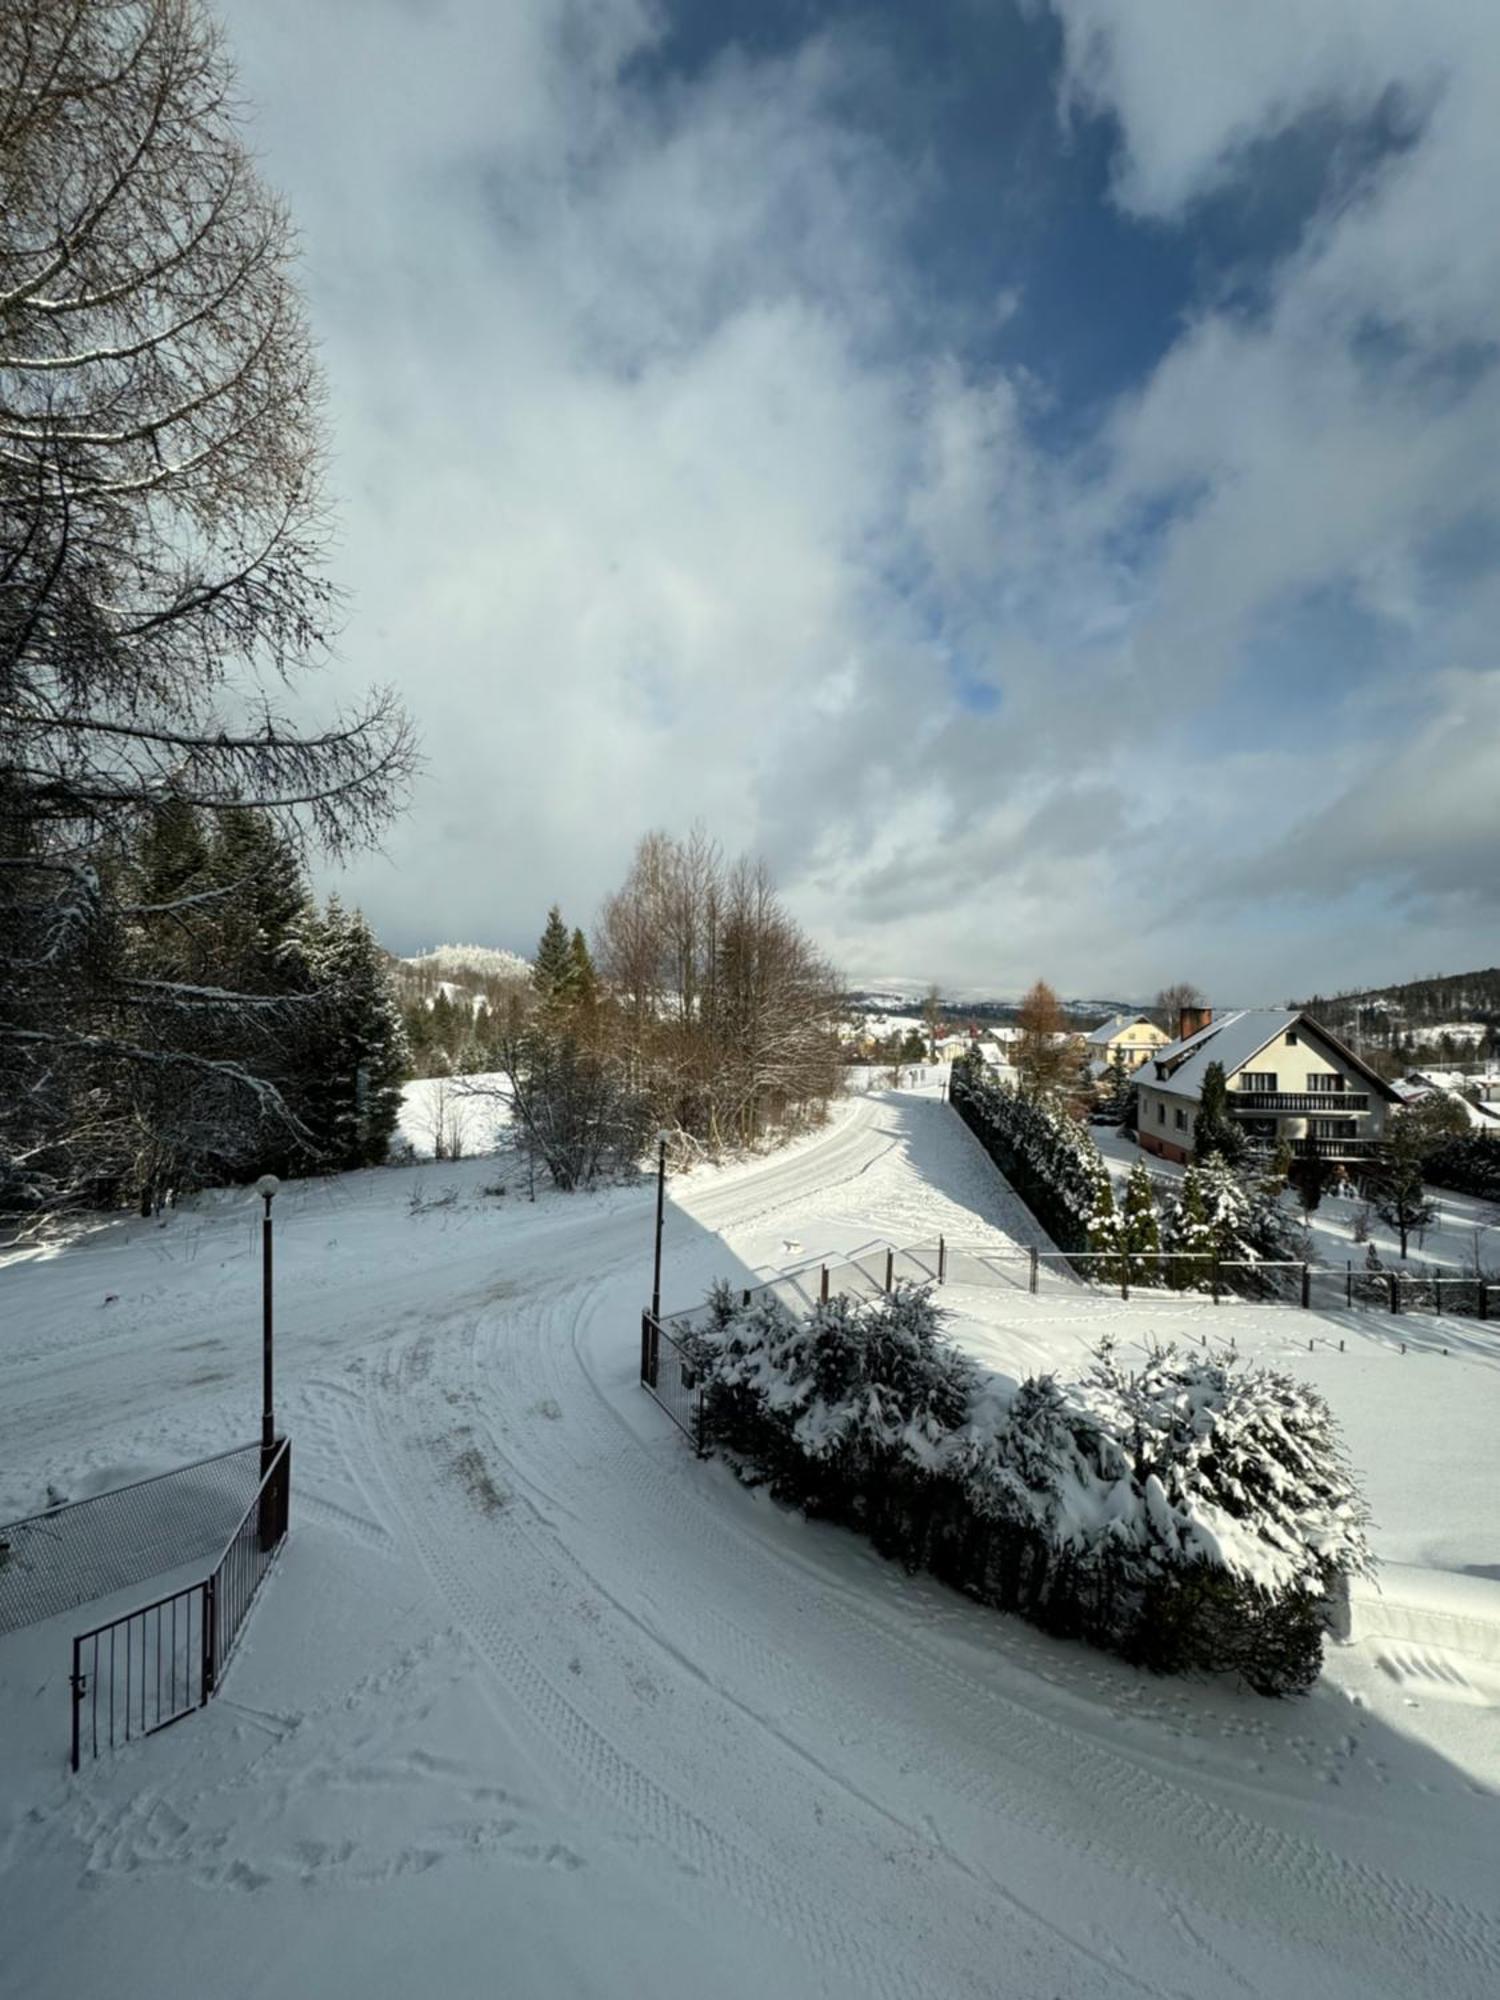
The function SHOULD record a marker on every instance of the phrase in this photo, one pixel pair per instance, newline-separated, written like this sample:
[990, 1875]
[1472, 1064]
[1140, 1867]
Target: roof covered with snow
[1104, 1034]
[1235, 1039]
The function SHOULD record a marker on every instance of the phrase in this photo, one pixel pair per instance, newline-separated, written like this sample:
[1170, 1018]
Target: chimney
[1191, 1019]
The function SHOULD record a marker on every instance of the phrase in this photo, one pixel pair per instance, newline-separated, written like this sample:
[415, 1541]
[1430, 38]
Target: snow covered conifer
[1103, 1220]
[1140, 1231]
[357, 1055]
[1186, 1237]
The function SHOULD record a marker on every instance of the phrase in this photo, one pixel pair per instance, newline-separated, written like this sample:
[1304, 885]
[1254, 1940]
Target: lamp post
[661, 1198]
[267, 1187]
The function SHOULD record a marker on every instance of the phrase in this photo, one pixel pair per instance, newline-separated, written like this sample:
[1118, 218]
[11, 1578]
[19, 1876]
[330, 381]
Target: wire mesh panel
[139, 1673]
[54, 1561]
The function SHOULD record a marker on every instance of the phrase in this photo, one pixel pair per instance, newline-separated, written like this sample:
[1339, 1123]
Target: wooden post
[1214, 1281]
[1395, 1283]
[1034, 1263]
[1349, 1282]
[1437, 1296]
[890, 1268]
[1306, 1286]
[942, 1261]
[823, 1286]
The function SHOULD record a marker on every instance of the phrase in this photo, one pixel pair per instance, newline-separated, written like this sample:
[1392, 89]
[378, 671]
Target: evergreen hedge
[1190, 1515]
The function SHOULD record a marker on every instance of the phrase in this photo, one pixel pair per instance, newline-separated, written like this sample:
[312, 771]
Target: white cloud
[657, 506]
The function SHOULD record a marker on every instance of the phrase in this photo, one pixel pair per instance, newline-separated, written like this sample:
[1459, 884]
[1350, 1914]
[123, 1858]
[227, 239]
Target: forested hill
[1389, 1013]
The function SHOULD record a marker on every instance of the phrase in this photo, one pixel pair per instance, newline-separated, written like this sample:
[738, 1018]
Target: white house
[1288, 1078]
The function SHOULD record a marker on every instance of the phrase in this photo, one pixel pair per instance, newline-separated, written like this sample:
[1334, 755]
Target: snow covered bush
[1190, 1515]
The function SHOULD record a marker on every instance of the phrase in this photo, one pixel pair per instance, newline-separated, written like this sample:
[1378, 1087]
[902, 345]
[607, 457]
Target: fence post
[1124, 1277]
[1306, 1286]
[1437, 1296]
[75, 1682]
[890, 1268]
[1484, 1300]
[823, 1287]
[210, 1647]
[1214, 1280]
[1349, 1282]
[646, 1348]
[942, 1261]
[745, 1300]
[1395, 1293]
[1034, 1263]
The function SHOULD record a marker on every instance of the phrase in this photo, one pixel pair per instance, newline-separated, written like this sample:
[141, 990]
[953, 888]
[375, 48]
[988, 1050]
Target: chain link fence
[72, 1554]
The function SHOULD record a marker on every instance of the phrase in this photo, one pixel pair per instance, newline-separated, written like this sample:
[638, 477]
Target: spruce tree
[555, 971]
[1400, 1196]
[1214, 1127]
[351, 1095]
[1103, 1221]
[1140, 1232]
[1186, 1237]
[583, 979]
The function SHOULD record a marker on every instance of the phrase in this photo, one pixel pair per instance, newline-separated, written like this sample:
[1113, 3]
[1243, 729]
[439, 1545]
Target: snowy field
[536, 1705]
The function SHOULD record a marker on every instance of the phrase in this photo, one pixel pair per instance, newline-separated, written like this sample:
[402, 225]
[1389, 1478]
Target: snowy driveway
[591, 1718]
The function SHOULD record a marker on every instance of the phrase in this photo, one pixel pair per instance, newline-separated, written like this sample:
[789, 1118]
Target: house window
[1324, 1082]
[1257, 1079]
[1161, 1114]
[1291, 1038]
[1181, 1121]
[1333, 1128]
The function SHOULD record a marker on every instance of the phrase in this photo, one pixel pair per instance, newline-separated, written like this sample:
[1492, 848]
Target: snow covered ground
[534, 1704]
[453, 1114]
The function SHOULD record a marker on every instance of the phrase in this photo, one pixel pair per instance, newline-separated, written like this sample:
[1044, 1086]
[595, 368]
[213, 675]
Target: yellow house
[1128, 1038]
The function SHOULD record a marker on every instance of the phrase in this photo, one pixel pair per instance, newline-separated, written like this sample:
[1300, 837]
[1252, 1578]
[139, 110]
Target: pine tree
[358, 1057]
[1187, 1239]
[1400, 1196]
[1214, 1127]
[583, 979]
[555, 969]
[1103, 1219]
[259, 877]
[1140, 1231]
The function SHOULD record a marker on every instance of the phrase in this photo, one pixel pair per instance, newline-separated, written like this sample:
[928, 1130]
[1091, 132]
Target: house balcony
[1337, 1149]
[1320, 1103]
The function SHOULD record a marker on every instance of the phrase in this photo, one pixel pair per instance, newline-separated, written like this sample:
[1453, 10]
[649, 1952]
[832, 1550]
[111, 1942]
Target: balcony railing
[1328, 1103]
[1337, 1149]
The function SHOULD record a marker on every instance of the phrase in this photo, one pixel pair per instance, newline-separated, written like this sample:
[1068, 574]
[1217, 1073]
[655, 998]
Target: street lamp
[661, 1198]
[267, 1187]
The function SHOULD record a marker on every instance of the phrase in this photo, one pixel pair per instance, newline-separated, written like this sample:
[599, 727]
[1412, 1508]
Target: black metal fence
[146, 1670]
[70, 1555]
[667, 1371]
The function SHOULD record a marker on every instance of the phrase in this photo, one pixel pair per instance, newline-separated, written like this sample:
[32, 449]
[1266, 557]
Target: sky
[1030, 469]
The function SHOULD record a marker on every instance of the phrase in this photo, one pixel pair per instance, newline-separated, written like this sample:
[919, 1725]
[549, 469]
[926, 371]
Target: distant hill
[904, 996]
[1453, 1011]
[482, 961]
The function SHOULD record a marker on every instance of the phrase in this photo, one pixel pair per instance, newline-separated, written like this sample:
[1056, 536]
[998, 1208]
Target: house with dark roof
[1289, 1079]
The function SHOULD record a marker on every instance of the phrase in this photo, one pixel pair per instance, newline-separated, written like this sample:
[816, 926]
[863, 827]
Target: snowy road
[592, 1718]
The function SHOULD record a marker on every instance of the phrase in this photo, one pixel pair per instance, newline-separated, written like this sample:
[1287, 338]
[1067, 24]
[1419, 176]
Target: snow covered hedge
[1189, 1514]
[1049, 1159]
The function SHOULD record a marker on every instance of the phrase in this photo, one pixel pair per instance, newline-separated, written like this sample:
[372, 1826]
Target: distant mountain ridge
[1388, 1015]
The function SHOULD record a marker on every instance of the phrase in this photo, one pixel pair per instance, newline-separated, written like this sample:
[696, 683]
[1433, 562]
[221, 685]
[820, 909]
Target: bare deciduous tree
[723, 1009]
